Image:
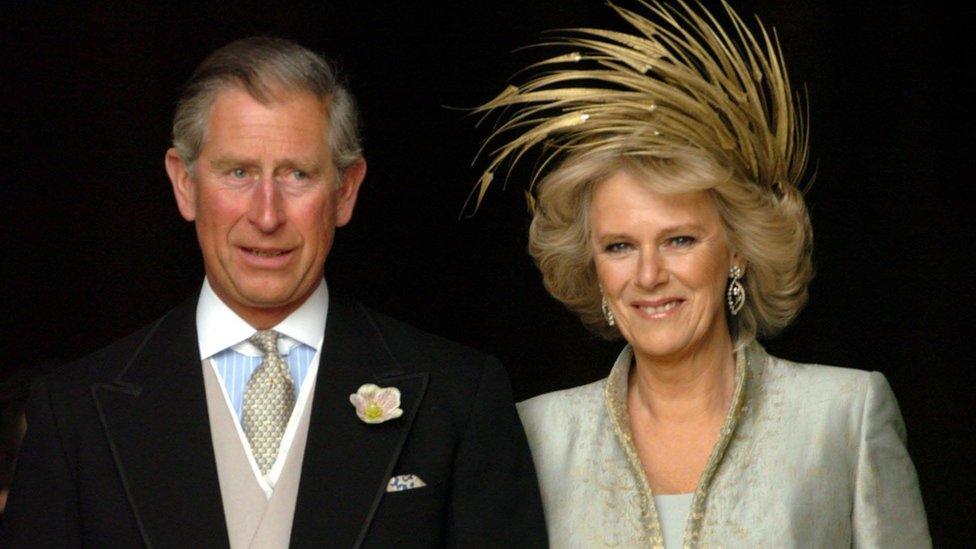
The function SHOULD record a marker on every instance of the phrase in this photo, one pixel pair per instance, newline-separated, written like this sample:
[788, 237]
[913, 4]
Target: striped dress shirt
[236, 364]
[223, 339]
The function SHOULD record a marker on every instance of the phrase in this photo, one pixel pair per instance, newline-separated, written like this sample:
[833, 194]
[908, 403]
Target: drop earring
[736, 294]
[607, 313]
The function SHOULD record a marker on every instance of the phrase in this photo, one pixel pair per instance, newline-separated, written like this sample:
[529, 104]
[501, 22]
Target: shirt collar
[219, 327]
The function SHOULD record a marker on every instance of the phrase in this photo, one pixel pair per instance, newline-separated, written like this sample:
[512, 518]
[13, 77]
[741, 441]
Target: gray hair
[262, 66]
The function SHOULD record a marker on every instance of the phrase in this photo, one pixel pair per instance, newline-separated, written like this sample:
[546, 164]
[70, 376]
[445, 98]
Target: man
[231, 420]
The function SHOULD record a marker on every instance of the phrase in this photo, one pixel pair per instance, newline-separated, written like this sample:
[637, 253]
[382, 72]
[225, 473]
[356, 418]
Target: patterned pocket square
[400, 483]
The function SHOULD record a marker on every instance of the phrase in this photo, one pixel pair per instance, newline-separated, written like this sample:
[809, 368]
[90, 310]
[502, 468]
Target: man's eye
[299, 175]
[239, 173]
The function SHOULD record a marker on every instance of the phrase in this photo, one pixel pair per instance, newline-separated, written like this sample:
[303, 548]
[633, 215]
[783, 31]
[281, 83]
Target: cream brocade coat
[809, 456]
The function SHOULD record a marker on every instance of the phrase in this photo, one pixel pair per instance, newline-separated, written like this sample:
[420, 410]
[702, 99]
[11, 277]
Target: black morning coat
[118, 450]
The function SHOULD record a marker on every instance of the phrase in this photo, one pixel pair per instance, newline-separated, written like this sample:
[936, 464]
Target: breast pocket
[410, 487]
[415, 513]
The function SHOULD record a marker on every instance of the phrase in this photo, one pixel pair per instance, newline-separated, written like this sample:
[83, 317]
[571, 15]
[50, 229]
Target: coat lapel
[348, 463]
[155, 419]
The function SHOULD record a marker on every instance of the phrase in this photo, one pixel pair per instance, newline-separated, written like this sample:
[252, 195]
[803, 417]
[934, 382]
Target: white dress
[809, 456]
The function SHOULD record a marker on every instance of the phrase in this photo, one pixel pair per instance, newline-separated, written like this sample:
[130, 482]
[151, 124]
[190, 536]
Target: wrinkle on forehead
[625, 200]
[250, 134]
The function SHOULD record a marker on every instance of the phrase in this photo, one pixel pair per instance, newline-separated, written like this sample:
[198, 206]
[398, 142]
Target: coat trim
[615, 399]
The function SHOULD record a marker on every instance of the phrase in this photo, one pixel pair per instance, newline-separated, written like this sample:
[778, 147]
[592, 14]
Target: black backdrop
[94, 247]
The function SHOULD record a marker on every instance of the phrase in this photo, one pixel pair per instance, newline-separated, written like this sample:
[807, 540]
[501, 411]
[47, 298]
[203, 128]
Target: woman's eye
[681, 241]
[617, 247]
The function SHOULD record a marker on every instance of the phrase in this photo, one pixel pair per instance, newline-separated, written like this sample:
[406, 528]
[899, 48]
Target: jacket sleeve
[888, 510]
[494, 497]
[42, 509]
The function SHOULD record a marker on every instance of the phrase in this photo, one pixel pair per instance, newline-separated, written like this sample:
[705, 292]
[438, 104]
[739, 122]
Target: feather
[681, 81]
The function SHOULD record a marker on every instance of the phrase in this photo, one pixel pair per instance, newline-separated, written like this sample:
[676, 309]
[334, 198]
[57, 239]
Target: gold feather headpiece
[681, 82]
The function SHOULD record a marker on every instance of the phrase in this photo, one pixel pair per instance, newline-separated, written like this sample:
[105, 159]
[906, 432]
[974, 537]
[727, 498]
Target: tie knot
[266, 340]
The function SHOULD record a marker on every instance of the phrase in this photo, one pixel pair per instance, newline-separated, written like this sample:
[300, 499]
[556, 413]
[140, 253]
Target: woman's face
[663, 262]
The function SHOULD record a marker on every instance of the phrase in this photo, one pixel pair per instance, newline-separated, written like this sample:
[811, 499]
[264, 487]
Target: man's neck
[263, 318]
[220, 326]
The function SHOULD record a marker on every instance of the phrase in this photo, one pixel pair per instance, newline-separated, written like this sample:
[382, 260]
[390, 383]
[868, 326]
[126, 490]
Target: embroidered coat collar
[748, 363]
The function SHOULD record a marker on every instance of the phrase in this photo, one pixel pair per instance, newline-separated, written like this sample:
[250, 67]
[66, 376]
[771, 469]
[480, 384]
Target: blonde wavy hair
[772, 236]
[684, 106]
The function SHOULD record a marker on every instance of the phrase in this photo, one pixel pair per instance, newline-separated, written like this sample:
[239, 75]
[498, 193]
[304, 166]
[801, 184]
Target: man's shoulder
[417, 349]
[457, 375]
[73, 380]
[106, 364]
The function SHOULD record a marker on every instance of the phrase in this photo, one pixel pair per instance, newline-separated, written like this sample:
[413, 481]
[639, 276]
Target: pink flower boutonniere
[375, 404]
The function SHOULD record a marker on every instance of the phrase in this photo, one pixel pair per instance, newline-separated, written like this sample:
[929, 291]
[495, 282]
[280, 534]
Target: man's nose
[266, 208]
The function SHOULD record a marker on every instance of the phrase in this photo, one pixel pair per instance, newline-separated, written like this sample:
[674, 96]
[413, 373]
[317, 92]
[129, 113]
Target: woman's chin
[661, 347]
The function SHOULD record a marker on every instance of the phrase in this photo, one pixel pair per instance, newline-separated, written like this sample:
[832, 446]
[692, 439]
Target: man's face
[265, 201]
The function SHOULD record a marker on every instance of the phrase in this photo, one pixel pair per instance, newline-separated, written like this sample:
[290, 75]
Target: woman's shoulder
[808, 376]
[824, 385]
[562, 407]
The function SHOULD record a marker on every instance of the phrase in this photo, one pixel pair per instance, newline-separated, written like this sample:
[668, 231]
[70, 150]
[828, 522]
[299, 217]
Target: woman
[673, 220]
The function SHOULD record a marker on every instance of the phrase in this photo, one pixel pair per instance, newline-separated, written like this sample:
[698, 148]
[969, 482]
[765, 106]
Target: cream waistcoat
[253, 519]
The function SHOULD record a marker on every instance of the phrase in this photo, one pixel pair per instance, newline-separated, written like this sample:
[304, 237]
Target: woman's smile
[659, 308]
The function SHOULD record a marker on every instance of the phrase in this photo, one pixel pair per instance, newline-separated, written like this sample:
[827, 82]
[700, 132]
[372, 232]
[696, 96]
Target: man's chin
[264, 296]
[271, 301]
[276, 294]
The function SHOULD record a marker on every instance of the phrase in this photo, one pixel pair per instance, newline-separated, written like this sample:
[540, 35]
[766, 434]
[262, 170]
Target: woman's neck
[689, 388]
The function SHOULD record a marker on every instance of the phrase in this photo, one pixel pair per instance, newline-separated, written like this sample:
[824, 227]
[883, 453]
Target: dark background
[94, 246]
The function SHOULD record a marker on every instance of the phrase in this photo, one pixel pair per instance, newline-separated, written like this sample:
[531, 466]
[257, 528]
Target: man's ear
[346, 195]
[183, 187]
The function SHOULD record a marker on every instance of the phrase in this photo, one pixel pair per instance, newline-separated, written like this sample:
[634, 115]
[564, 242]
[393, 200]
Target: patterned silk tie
[268, 401]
